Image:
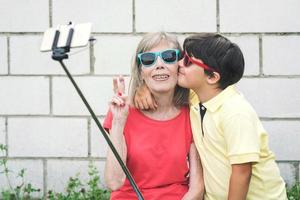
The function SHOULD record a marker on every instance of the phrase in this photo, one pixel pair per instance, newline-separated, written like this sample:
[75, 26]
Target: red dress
[156, 156]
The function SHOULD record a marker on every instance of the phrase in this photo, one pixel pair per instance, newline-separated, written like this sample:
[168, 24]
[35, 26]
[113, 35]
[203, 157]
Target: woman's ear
[213, 78]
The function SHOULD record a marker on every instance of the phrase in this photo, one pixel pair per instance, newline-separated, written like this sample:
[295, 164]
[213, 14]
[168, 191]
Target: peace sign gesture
[119, 104]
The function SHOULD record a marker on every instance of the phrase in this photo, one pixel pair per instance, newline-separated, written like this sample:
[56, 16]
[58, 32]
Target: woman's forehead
[163, 44]
[160, 46]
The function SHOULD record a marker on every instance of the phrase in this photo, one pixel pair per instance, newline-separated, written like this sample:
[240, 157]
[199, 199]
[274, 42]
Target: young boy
[233, 145]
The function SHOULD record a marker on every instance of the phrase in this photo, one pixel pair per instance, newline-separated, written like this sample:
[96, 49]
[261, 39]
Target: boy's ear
[213, 78]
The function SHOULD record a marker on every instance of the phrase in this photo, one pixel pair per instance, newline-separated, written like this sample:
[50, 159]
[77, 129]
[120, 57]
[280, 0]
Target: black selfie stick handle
[125, 169]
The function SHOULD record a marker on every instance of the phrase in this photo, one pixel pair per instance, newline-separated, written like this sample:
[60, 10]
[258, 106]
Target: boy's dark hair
[219, 53]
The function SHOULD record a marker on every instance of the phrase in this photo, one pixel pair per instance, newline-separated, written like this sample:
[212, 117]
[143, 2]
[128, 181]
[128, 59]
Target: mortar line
[50, 13]
[278, 119]
[8, 55]
[92, 58]
[6, 135]
[20, 33]
[65, 76]
[296, 165]
[89, 137]
[103, 115]
[133, 17]
[218, 15]
[51, 95]
[172, 32]
[45, 177]
[126, 75]
[261, 72]
[53, 116]
[94, 158]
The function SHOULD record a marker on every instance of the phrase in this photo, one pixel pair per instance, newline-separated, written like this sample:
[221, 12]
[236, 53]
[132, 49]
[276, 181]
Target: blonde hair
[148, 42]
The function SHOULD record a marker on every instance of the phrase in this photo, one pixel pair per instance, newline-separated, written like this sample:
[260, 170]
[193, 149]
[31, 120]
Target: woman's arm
[196, 185]
[114, 175]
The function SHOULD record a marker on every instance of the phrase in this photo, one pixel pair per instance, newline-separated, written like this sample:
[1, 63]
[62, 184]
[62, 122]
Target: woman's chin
[162, 89]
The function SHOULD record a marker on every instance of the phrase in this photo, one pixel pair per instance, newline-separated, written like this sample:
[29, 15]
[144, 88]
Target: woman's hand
[193, 195]
[119, 103]
[196, 185]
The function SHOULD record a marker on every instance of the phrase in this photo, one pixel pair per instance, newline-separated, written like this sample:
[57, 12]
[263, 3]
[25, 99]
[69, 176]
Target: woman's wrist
[119, 121]
[119, 124]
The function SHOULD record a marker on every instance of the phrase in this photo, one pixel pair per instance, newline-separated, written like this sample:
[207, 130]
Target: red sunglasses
[187, 61]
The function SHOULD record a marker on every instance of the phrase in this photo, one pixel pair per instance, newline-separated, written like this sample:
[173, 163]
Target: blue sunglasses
[169, 56]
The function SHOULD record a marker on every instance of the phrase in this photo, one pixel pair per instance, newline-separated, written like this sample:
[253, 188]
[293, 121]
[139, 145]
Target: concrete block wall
[48, 129]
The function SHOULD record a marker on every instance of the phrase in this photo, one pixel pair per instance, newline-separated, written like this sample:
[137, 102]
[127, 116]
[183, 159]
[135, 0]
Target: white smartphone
[80, 38]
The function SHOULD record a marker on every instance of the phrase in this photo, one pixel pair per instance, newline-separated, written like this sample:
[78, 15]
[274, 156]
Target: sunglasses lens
[169, 56]
[148, 58]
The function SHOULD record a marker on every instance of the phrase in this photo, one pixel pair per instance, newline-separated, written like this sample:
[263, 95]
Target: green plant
[20, 192]
[76, 190]
[294, 192]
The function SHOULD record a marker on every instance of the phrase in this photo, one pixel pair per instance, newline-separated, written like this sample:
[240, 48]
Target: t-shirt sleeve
[108, 120]
[242, 139]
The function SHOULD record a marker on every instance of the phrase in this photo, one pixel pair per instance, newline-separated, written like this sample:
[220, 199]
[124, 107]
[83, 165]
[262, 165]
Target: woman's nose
[160, 63]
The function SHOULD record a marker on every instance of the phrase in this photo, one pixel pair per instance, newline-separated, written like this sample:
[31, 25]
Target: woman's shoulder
[185, 110]
[134, 111]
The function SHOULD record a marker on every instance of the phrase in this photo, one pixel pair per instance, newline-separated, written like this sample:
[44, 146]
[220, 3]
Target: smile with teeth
[160, 77]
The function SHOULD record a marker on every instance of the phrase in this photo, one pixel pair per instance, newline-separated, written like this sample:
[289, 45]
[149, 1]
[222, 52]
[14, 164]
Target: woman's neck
[164, 102]
[165, 107]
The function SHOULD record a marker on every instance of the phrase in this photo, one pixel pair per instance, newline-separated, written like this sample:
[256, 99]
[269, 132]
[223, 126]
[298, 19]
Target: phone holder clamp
[60, 53]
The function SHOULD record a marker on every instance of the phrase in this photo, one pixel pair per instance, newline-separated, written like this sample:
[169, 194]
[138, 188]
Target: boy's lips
[180, 72]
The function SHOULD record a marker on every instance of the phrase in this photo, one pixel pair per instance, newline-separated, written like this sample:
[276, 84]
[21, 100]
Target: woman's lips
[160, 77]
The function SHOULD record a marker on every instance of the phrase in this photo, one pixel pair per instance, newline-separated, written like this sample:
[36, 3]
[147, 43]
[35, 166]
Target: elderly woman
[156, 145]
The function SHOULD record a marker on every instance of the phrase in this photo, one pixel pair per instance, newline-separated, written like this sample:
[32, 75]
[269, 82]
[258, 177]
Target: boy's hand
[143, 98]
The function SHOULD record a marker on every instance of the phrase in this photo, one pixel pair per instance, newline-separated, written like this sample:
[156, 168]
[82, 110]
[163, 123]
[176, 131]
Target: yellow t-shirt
[232, 134]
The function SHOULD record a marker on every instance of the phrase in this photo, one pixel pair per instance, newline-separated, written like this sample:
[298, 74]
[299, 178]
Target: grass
[75, 188]
[293, 193]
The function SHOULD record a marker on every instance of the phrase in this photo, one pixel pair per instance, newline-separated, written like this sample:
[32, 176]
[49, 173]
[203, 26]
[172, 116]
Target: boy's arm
[243, 148]
[143, 98]
[239, 181]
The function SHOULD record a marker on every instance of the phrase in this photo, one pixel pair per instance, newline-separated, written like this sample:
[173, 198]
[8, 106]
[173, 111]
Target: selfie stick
[58, 54]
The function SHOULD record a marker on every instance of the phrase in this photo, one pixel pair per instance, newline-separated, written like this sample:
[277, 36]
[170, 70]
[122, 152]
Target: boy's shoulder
[237, 105]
